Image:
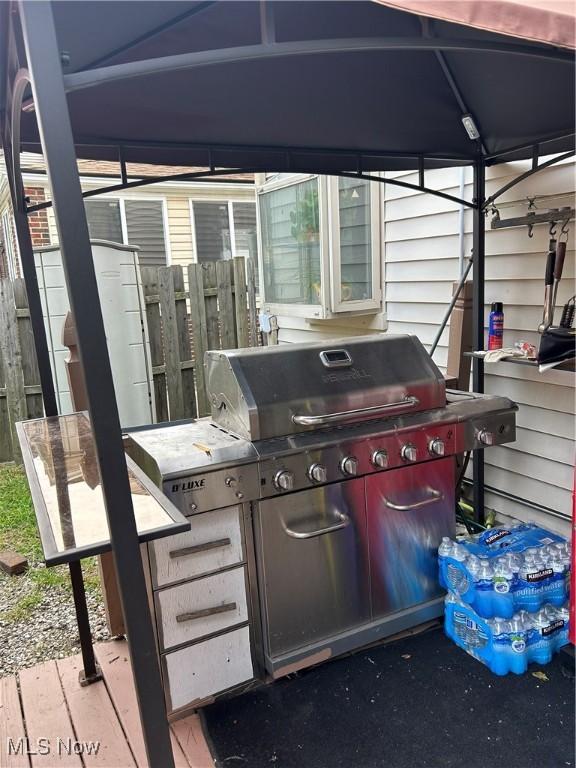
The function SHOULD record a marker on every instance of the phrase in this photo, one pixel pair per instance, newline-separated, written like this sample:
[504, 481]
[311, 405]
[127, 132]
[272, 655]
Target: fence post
[211, 302]
[170, 337]
[149, 277]
[184, 347]
[30, 370]
[225, 305]
[199, 333]
[240, 302]
[251, 291]
[12, 358]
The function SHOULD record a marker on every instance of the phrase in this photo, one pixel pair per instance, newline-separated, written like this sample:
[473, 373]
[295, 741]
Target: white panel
[206, 528]
[57, 301]
[545, 421]
[202, 670]
[519, 511]
[175, 604]
[411, 271]
[53, 275]
[116, 278]
[410, 312]
[545, 445]
[533, 393]
[535, 467]
[133, 326]
[526, 487]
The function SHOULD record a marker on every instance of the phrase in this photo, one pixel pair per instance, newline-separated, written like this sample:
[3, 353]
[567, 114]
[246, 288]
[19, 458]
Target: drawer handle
[206, 547]
[432, 499]
[201, 614]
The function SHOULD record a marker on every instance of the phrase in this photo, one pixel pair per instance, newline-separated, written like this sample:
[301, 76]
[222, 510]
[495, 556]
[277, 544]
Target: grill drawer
[214, 541]
[199, 671]
[203, 607]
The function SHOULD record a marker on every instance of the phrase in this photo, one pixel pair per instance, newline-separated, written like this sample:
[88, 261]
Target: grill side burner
[338, 464]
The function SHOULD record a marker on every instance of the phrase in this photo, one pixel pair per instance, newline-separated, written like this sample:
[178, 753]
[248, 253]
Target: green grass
[17, 521]
[18, 532]
[23, 608]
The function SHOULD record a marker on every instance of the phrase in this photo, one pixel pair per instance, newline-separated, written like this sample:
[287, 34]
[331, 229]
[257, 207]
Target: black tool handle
[559, 261]
[549, 275]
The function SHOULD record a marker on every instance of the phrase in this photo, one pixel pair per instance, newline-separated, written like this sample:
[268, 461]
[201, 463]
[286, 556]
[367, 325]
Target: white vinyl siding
[421, 234]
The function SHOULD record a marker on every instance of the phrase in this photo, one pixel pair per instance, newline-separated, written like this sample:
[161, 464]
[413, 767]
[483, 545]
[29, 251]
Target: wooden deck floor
[45, 711]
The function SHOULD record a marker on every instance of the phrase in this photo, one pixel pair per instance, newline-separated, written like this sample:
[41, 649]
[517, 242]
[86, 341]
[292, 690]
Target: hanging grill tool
[548, 285]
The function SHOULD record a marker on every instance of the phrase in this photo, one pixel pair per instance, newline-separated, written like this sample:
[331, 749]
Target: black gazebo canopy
[349, 87]
[315, 86]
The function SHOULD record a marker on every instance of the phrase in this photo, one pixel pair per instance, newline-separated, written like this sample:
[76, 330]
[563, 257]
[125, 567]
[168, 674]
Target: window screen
[104, 221]
[245, 239]
[355, 239]
[212, 225]
[291, 244]
[145, 226]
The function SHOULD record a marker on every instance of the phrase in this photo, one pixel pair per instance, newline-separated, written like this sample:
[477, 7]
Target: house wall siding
[180, 233]
[421, 245]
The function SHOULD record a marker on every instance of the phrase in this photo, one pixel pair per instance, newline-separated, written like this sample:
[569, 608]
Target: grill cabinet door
[409, 510]
[313, 564]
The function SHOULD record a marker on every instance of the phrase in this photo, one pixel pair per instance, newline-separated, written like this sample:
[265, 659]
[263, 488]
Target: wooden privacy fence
[20, 391]
[218, 311]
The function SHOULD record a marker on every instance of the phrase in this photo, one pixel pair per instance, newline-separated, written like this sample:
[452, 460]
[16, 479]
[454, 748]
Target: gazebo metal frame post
[11, 143]
[478, 278]
[54, 124]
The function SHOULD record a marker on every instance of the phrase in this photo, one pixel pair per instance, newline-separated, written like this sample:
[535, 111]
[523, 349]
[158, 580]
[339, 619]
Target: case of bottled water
[507, 645]
[502, 571]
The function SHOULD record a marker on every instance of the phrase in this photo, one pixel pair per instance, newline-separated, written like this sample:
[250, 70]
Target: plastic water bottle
[456, 576]
[501, 630]
[449, 603]
[503, 579]
[541, 652]
[557, 592]
[518, 636]
[514, 561]
[484, 590]
[562, 638]
[444, 551]
[567, 563]
[527, 595]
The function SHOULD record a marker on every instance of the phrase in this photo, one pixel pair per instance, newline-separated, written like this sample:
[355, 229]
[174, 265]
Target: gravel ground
[46, 629]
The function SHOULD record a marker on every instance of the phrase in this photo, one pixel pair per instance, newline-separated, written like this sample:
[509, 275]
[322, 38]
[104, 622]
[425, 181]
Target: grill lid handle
[344, 416]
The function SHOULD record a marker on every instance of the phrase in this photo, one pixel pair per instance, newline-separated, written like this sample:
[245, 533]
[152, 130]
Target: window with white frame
[320, 245]
[133, 221]
[9, 245]
[224, 229]
[290, 237]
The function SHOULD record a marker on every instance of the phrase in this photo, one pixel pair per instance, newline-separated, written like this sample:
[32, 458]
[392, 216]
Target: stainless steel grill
[344, 457]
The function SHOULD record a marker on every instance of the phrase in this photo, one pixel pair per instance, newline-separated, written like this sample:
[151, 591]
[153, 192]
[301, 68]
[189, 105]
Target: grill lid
[268, 392]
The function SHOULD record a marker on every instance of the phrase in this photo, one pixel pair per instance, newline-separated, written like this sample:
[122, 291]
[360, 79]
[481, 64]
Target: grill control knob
[284, 480]
[436, 447]
[317, 473]
[349, 465]
[486, 437]
[380, 459]
[409, 452]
